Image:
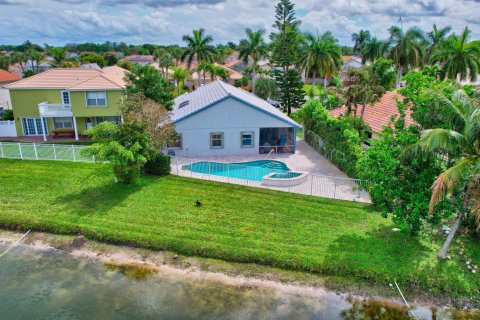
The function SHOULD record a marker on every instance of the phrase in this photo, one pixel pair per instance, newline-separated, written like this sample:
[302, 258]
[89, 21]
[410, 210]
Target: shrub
[7, 115]
[157, 165]
[338, 139]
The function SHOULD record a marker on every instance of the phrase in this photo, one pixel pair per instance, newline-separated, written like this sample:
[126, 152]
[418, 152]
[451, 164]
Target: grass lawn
[234, 223]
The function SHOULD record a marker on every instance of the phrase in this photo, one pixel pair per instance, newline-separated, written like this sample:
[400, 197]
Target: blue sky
[57, 22]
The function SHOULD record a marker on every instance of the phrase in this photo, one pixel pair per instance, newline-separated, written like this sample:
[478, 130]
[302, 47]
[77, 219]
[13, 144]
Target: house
[90, 66]
[69, 100]
[140, 59]
[6, 78]
[219, 119]
[379, 115]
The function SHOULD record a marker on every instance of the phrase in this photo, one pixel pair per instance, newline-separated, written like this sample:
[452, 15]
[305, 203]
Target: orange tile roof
[379, 114]
[232, 63]
[6, 76]
[74, 79]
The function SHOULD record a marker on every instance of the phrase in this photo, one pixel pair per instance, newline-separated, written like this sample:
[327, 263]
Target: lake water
[51, 284]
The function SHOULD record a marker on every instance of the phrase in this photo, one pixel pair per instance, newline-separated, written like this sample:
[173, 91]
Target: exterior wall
[229, 116]
[25, 104]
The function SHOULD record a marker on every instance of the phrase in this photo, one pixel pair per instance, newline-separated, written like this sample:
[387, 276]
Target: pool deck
[324, 179]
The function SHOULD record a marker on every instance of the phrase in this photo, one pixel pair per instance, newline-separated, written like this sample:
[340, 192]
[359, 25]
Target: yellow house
[66, 100]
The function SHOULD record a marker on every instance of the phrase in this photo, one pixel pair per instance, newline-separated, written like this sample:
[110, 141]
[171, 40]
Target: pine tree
[285, 50]
[290, 89]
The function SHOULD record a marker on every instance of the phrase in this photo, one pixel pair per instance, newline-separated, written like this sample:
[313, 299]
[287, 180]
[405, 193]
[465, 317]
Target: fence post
[73, 151]
[20, 149]
[176, 161]
[311, 185]
[35, 149]
[335, 190]
[1, 150]
[54, 152]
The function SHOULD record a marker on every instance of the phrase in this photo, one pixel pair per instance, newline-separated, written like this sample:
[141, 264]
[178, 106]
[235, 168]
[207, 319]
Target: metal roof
[216, 91]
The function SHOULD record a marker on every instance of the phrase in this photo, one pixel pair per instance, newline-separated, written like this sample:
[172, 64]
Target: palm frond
[450, 181]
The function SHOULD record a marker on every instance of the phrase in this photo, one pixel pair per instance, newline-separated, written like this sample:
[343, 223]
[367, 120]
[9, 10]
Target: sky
[57, 22]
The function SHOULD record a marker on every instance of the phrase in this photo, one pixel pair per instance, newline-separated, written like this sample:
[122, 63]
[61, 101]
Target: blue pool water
[253, 170]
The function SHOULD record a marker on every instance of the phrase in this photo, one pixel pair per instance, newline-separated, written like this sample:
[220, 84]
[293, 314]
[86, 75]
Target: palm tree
[360, 40]
[406, 49]
[253, 47]
[164, 59]
[322, 55]
[435, 38]
[204, 68]
[199, 47]
[461, 146]
[374, 49]
[458, 57]
[221, 73]
[59, 56]
[180, 75]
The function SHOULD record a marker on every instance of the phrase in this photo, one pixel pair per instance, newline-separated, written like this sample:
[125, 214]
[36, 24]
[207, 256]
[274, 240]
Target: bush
[7, 115]
[337, 139]
[157, 165]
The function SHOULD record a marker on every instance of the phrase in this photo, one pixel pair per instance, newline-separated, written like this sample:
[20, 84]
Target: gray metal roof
[207, 95]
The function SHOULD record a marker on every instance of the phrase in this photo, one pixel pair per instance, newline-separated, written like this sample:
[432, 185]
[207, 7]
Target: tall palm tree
[253, 47]
[459, 58]
[461, 146]
[199, 47]
[180, 75]
[406, 49]
[322, 55]
[435, 38]
[374, 49]
[360, 39]
[59, 56]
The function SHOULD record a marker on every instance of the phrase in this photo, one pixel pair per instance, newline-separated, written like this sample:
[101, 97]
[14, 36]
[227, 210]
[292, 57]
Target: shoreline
[229, 273]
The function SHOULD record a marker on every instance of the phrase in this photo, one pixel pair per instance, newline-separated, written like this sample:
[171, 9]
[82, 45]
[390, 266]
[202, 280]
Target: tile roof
[74, 79]
[379, 115]
[209, 94]
[6, 76]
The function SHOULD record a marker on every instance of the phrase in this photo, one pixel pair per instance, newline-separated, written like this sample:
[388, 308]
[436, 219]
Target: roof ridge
[24, 79]
[222, 84]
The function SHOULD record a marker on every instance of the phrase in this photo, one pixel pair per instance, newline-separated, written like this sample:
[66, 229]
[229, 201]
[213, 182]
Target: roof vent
[183, 104]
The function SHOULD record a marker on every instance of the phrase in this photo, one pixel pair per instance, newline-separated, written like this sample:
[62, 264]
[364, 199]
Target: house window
[96, 98]
[63, 123]
[114, 119]
[176, 143]
[216, 140]
[66, 98]
[247, 139]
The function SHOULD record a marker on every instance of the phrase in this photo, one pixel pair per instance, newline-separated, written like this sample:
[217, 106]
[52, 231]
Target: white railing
[34, 151]
[315, 185]
[54, 110]
[7, 129]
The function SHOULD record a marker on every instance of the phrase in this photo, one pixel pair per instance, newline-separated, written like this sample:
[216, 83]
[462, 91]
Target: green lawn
[235, 223]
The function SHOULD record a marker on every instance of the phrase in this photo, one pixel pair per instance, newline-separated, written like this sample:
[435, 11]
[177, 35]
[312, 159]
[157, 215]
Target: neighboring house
[349, 62]
[70, 99]
[71, 55]
[90, 66]
[6, 78]
[140, 59]
[379, 115]
[219, 119]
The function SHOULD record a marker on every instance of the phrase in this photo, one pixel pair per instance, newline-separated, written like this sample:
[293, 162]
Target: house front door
[89, 123]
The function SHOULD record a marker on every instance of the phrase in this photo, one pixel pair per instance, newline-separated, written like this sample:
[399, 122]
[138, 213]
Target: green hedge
[337, 139]
[158, 165]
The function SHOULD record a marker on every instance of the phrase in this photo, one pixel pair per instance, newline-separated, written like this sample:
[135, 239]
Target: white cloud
[165, 21]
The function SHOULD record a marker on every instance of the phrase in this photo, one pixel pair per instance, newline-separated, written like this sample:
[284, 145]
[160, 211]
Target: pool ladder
[270, 153]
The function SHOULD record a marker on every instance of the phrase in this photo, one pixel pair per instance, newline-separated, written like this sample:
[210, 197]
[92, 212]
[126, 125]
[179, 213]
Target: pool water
[253, 170]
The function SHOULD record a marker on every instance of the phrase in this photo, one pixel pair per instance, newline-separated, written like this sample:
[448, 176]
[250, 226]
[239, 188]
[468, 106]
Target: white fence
[33, 151]
[7, 129]
[314, 185]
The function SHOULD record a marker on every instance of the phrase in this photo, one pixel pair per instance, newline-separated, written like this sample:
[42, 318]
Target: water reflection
[54, 285]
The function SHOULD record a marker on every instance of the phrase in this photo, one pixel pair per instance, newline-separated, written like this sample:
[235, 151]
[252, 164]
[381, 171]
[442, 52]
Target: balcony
[54, 110]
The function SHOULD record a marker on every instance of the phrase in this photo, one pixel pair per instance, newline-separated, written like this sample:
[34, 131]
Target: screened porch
[277, 140]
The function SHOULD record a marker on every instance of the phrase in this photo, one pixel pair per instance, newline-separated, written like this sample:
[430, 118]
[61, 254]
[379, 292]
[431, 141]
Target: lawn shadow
[98, 199]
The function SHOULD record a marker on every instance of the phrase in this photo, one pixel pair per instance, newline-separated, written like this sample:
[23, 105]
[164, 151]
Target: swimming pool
[252, 170]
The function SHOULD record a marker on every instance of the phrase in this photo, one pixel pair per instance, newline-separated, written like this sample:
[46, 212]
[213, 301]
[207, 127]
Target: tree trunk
[325, 82]
[399, 76]
[446, 246]
[314, 78]
[254, 74]
[364, 106]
